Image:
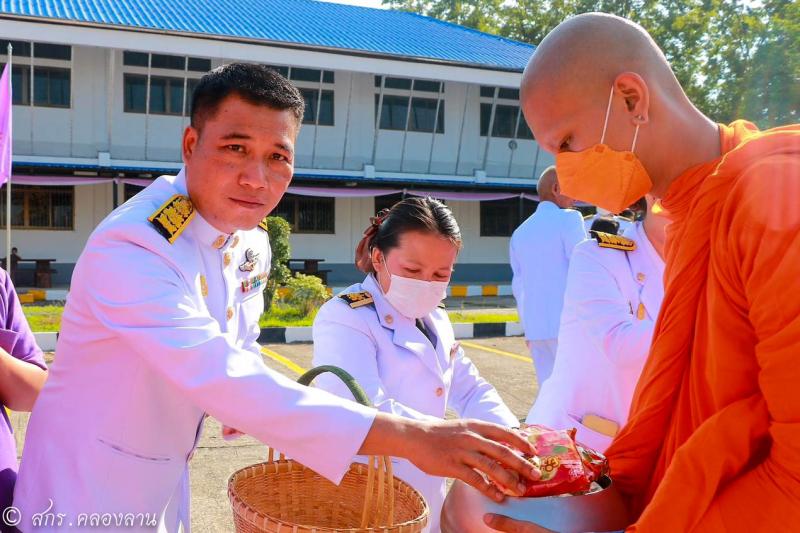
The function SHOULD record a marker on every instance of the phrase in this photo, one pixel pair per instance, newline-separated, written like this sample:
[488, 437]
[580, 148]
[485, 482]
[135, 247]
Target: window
[310, 75]
[135, 59]
[404, 112]
[135, 93]
[51, 86]
[507, 120]
[166, 96]
[131, 190]
[35, 207]
[316, 99]
[307, 214]
[52, 51]
[395, 111]
[18, 48]
[166, 92]
[499, 218]
[197, 64]
[386, 201]
[167, 62]
[20, 84]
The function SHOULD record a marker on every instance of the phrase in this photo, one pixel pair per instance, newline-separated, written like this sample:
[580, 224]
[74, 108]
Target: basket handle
[380, 467]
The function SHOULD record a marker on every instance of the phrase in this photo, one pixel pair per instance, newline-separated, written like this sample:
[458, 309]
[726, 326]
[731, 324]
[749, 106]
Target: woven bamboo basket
[283, 496]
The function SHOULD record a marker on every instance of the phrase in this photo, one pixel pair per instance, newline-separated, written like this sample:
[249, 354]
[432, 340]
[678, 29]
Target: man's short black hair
[605, 224]
[256, 84]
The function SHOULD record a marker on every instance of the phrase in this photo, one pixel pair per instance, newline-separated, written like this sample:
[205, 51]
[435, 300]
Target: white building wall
[96, 122]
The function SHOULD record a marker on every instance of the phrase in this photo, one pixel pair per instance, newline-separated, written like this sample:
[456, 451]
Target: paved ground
[503, 361]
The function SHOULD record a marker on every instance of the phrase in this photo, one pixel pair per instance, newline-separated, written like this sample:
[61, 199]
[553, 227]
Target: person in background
[22, 375]
[539, 253]
[614, 293]
[605, 224]
[393, 335]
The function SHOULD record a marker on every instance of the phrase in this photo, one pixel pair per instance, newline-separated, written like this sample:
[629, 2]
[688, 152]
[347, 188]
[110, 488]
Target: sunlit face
[565, 122]
[418, 255]
[240, 163]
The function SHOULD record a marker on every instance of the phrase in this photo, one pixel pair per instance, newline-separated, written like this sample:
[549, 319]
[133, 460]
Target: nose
[255, 175]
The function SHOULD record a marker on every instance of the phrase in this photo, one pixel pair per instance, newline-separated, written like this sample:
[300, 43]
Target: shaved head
[598, 76]
[588, 51]
[548, 189]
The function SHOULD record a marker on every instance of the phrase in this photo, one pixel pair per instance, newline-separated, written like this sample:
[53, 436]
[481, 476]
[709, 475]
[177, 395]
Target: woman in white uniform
[614, 292]
[392, 334]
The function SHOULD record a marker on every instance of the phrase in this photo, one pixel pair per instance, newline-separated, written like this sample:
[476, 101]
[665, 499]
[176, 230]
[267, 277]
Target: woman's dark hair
[426, 215]
[256, 84]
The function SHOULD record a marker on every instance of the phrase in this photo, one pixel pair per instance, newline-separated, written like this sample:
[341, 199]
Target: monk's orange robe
[713, 440]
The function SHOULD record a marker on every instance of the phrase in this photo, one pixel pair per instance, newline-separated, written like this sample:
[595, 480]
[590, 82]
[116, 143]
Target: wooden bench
[310, 267]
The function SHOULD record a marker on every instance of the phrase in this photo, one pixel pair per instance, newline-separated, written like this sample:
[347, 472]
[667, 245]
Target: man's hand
[509, 525]
[456, 448]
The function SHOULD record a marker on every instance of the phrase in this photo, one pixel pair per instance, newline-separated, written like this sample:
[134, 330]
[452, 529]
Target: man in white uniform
[161, 327]
[540, 250]
[614, 292]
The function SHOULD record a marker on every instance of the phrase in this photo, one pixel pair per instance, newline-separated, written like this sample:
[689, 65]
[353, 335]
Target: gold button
[230, 313]
[226, 258]
[439, 391]
[389, 319]
[235, 241]
[219, 242]
[640, 277]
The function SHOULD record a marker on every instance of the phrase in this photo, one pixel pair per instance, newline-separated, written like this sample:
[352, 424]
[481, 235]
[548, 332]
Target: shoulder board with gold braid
[263, 224]
[357, 299]
[173, 216]
[617, 242]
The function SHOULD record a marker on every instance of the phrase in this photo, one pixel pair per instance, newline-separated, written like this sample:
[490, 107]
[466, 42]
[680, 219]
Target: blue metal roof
[296, 22]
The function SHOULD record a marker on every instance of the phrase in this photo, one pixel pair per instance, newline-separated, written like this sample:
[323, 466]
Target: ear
[556, 187]
[377, 259]
[637, 96]
[191, 137]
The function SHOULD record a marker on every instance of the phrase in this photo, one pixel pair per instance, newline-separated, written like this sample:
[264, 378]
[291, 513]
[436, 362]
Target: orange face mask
[602, 176]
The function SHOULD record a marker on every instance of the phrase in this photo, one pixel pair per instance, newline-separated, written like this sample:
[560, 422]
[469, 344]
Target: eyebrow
[233, 136]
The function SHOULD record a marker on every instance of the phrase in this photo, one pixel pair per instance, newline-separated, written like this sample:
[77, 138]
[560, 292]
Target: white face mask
[414, 298]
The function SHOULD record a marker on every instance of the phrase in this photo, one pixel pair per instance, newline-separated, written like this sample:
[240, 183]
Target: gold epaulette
[263, 224]
[172, 218]
[357, 299]
[617, 242]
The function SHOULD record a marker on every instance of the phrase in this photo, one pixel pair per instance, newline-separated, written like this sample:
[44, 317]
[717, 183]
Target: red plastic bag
[566, 467]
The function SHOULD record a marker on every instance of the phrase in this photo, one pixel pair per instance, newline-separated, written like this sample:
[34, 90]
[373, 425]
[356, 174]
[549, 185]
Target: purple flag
[5, 125]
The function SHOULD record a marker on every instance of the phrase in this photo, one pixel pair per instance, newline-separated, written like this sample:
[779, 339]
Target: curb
[462, 330]
[47, 340]
[463, 291]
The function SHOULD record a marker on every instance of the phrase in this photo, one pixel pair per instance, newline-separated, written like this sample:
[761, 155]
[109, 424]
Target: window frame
[412, 95]
[517, 209]
[295, 200]
[26, 190]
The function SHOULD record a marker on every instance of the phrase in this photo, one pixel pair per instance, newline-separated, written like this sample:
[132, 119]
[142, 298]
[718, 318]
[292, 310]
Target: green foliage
[279, 273]
[734, 58]
[306, 293]
[43, 318]
[283, 315]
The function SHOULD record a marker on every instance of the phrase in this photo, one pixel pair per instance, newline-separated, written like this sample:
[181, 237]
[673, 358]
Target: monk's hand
[509, 525]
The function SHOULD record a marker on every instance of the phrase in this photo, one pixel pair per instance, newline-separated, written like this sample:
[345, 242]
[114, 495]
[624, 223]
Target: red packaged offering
[566, 467]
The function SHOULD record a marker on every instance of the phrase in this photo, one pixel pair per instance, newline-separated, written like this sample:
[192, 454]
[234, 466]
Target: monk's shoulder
[765, 193]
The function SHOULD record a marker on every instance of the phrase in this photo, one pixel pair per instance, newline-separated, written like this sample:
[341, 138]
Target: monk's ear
[637, 96]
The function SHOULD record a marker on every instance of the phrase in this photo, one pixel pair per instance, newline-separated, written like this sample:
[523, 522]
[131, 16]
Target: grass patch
[482, 316]
[282, 316]
[43, 318]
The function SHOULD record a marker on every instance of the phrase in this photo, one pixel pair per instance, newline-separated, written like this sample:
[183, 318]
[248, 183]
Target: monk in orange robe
[713, 440]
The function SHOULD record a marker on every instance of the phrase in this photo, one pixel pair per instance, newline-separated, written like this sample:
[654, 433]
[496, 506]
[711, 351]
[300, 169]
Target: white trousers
[543, 354]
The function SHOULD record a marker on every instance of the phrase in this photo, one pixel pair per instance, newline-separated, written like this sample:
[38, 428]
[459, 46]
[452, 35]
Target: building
[396, 104]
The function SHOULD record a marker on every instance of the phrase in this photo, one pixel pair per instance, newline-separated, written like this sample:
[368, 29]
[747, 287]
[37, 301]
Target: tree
[733, 58]
[479, 14]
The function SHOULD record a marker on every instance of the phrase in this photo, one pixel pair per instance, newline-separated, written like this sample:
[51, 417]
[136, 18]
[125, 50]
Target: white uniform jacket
[402, 372]
[610, 307]
[154, 336]
[539, 252]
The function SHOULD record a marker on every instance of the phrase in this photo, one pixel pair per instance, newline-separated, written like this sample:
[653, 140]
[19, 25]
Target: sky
[363, 3]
